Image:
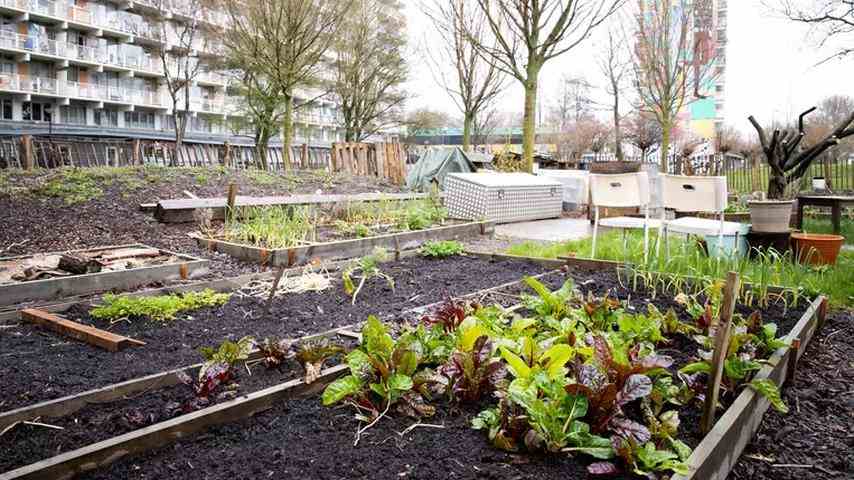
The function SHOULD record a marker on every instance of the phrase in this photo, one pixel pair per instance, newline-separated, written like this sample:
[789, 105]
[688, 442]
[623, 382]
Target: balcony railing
[84, 90]
[31, 43]
[26, 83]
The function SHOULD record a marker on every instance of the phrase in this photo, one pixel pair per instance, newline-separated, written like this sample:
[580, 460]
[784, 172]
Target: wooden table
[835, 202]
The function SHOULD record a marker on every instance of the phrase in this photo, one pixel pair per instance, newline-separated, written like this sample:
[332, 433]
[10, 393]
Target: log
[78, 264]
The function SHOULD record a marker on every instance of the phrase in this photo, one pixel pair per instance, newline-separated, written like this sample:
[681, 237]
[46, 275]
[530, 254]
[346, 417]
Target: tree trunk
[261, 145]
[666, 127]
[529, 123]
[776, 186]
[287, 131]
[468, 120]
[618, 135]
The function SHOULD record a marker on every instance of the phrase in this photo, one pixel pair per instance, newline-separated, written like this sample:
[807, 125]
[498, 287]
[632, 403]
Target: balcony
[31, 43]
[207, 105]
[79, 90]
[28, 84]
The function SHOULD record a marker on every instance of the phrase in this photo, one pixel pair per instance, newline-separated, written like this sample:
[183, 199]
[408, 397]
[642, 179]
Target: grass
[684, 258]
[739, 180]
[159, 308]
[78, 185]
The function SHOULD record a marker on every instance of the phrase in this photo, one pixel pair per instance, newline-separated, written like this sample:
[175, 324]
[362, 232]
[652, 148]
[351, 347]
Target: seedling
[364, 269]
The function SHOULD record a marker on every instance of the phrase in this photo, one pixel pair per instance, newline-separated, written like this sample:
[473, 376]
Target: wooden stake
[276, 282]
[232, 198]
[721, 346]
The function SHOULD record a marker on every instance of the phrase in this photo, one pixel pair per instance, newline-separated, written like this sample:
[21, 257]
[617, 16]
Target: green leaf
[360, 364]
[737, 369]
[681, 449]
[517, 366]
[696, 367]
[376, 338]
[341, 389]
[769, 390]
[557, 356]
[469, 336]
[400, 382]
[521, 324]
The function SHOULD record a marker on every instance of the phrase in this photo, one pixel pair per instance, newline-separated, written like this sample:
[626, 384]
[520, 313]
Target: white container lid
[496, 179]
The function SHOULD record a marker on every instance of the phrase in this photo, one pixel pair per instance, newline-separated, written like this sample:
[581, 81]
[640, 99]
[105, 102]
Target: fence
[27, 152]
[382, 160]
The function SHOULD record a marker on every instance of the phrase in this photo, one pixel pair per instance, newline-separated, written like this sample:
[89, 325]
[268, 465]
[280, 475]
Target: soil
[319, 440]
[48, 366]
[814, 440]
[47, 224]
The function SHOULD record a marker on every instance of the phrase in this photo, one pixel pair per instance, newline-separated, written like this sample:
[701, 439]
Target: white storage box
[575, 185]
[502, 197]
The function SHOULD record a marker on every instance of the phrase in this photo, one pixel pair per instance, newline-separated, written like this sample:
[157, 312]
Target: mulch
[815, 439]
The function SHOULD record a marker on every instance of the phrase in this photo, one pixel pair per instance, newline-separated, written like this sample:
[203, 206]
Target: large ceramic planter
[816, 248]
[770, 216]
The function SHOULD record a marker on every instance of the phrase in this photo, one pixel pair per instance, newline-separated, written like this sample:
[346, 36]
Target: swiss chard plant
[313, 354]
[217, 371]
[473, 372]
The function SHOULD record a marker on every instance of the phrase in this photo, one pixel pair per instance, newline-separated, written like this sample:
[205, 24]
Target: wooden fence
[382, 160]
[27, 152]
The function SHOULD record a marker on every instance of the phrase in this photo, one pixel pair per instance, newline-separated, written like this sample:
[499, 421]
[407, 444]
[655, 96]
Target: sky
[772, 69]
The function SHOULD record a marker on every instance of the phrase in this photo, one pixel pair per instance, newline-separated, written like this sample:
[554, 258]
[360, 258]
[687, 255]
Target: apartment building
[91, 68]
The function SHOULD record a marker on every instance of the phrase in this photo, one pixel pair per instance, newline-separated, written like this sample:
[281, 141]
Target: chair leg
[666, 245]
[645, 244]
[595, 232]
[625, 245]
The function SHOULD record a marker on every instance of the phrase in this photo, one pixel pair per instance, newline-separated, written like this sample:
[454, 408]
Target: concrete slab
[554, 230]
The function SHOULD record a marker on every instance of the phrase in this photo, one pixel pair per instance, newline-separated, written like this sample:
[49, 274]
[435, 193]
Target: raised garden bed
[47, 366]
[397, 242]
[38, 277]
[301, 437]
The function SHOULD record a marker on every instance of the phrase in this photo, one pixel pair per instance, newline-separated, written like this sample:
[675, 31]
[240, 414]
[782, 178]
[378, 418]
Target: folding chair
[622, 190]
[697, 194]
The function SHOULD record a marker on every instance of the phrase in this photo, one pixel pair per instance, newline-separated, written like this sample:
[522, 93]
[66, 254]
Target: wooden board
[56, 288]
[345, 248]
[181, 210]
[100, 338]
[101, 454]
[719, 451]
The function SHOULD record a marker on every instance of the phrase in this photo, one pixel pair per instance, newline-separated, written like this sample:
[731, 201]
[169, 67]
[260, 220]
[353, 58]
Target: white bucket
[819, 184]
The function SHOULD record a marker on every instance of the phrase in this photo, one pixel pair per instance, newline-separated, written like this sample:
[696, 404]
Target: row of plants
[286, 227]
[686, 258]
[160, 308]
[575, 375]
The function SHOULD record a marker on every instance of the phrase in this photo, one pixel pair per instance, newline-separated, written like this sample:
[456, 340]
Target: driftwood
[788, 162]
[78, 264]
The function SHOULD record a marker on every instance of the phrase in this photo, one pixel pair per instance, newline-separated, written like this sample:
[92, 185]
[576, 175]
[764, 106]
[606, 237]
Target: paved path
[555, 230]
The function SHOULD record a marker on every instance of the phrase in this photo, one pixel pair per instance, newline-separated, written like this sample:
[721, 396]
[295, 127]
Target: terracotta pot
[771, 216]
[816, 248]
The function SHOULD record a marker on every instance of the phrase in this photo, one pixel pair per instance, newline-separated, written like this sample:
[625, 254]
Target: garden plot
[286, 236]
[316, 445]
[78, 272]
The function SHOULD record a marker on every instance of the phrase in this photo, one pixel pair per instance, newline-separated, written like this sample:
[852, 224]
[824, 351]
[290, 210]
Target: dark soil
[48, 366]
[305, 439]
[46, 223]
[816, 435]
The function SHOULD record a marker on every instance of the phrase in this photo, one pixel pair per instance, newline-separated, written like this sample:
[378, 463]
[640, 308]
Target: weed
[160, 308]
[441, 249]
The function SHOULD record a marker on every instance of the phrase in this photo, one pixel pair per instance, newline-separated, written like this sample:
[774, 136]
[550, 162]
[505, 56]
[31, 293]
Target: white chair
[622, 190]
[697, 194]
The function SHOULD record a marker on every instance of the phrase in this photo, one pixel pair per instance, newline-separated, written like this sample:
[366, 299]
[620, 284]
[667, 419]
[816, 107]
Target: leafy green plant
[159, 308]
[546, 303]
[313, 354]
[473, 373]
[217, 370]
[380, 368]
[365, 268]
[441, 249]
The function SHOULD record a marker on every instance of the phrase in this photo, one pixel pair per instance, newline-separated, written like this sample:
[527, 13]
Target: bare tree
[829, 20]
[181, 48]
[370, 68]
[788, 162]
[574, 102]
[529, 33]
[285, 41]
[616, 68]
[475, 81]
[643, 132]
[484, 124]
[674, 59]
[727, 139]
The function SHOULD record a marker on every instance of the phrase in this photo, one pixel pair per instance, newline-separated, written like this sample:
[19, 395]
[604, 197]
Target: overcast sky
[771, 67]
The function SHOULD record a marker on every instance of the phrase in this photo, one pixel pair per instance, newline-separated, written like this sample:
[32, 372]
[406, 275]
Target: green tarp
[435, 164]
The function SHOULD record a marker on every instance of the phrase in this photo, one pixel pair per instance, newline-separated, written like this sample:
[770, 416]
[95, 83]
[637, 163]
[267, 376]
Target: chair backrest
[619, 190]
[694, 194]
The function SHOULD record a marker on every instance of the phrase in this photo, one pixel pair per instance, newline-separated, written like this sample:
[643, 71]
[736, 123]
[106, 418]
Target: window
[139, 120]
[73, 114]
[107, 118]
[6, 107]
[37, 112]
[74, 74]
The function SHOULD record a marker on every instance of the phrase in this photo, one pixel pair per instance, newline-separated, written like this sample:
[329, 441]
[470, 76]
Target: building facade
[91, 68]
[705, 116]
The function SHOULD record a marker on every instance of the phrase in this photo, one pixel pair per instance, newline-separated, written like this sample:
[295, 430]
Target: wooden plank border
[101, 454]
[720, 450]
[288, 257]
[54, 288]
